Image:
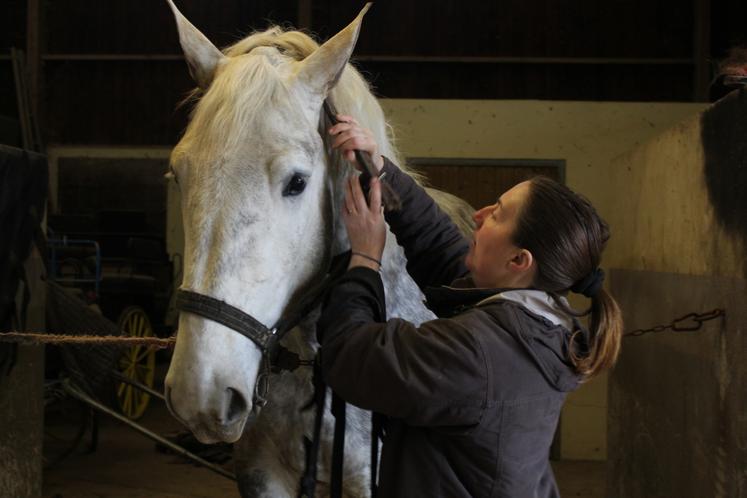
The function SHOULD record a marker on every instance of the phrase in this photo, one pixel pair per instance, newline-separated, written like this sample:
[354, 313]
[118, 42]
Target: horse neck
[404, 298]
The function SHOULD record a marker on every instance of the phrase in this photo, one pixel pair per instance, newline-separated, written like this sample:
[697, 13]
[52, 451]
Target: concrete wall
[588, 136]
[678, 401]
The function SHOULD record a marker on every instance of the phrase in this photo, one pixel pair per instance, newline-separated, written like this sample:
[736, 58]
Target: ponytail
[605, 336]
[566, 236]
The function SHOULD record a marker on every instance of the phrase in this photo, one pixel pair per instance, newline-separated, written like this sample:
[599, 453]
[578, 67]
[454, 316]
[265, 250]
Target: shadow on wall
[723, 134]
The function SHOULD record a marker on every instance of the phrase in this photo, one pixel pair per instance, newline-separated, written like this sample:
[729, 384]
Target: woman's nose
[478, 219]
[479, 216]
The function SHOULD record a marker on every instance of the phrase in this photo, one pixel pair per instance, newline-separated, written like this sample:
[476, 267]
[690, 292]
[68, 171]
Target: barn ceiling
[121, 58]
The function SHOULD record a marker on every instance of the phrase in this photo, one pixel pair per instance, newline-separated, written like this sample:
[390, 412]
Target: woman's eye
[295, 186]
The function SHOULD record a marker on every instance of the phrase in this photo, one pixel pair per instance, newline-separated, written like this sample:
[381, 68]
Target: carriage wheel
[138, 363]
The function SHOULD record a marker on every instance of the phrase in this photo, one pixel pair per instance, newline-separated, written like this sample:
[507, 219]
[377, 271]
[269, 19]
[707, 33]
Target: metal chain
[687, 323]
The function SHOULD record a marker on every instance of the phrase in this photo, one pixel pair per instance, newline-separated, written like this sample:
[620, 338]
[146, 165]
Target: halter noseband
[230, 316]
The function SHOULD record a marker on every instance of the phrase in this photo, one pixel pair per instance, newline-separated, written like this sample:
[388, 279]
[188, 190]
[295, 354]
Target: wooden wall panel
[12, 17]
[120, 102]
[12, 35]
[89, 186]
[481, 181]
[147, 26]
[8, 105]
[135, 26]
[665, 83]
[580, 28]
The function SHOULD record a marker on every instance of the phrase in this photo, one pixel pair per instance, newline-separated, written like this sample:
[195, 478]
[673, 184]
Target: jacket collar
[538, 302]
[462, 294]
[449, 300]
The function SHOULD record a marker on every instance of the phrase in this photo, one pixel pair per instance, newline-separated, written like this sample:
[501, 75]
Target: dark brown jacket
[473, 398]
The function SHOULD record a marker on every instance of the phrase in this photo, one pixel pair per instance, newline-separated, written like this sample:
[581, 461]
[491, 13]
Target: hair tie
[590, 285]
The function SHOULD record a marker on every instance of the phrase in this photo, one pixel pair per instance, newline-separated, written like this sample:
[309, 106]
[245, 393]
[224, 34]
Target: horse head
[257, 207]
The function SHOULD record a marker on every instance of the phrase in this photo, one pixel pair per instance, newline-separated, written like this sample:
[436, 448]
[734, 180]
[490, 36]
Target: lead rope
[376, 428]
[389, 198]
[338, 446]
[308, 478]
[307, 488]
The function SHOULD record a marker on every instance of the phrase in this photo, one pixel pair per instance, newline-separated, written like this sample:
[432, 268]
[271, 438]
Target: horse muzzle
[223, 422]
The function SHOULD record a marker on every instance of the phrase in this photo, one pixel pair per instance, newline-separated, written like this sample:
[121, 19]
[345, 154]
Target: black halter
[275, 357]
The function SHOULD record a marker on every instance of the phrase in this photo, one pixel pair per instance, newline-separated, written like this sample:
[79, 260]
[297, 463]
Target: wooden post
[22, 403]
[34, 68]
[304, 14]
[701, 49]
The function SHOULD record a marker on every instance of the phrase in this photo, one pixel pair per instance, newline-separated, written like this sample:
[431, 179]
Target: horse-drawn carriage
[114, 281]
[108, 262]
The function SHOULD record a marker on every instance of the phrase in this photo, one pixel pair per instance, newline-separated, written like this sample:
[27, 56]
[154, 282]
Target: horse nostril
[237, 406]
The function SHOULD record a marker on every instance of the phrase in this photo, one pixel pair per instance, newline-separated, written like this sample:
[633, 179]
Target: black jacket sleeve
[433, 244]
[432, 375]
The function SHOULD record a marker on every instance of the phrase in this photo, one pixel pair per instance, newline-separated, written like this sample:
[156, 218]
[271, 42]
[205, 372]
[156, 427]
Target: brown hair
[566, 236]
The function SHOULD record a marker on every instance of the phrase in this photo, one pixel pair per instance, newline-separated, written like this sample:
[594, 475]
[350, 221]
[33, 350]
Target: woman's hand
[365, 223]
[349, 136]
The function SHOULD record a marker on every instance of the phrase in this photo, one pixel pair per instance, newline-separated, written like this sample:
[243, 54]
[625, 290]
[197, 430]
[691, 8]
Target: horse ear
[202, 56]
[322, 69]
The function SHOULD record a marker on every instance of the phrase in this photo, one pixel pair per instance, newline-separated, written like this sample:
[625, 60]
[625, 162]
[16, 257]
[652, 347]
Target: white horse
[260, 194]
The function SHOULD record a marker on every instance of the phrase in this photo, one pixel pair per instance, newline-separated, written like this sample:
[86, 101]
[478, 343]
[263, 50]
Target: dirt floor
[126, 464]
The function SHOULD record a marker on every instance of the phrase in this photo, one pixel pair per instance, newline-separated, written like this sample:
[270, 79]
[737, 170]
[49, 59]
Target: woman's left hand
[349, 136]
[365, 223]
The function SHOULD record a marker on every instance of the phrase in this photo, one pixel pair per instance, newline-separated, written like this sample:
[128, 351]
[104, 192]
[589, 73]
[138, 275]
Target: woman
[473, 398]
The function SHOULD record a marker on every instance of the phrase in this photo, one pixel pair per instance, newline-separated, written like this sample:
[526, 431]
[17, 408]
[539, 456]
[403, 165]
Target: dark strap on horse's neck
[389, 198]
[225, 314]
[377, 424]
[308, 478]
[338, 447]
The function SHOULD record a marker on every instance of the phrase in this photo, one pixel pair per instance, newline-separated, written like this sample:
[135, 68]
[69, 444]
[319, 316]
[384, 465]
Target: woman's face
[492, 254]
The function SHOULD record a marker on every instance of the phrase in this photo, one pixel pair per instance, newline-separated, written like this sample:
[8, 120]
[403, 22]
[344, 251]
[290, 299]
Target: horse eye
[295, 186]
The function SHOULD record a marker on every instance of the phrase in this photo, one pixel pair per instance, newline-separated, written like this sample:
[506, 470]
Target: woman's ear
[522, 261]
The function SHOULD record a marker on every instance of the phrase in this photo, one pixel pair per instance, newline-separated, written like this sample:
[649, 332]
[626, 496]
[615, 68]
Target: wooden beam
[112, 57]
[525, 60]
[408, 59]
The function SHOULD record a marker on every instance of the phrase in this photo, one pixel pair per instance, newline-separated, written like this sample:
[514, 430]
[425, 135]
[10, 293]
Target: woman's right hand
[349, 136]
[365, 223]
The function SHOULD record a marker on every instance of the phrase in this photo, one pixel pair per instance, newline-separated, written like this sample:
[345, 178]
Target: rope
[35, 338]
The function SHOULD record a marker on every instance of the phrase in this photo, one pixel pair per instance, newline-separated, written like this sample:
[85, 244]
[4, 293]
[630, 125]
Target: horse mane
[351, 95]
